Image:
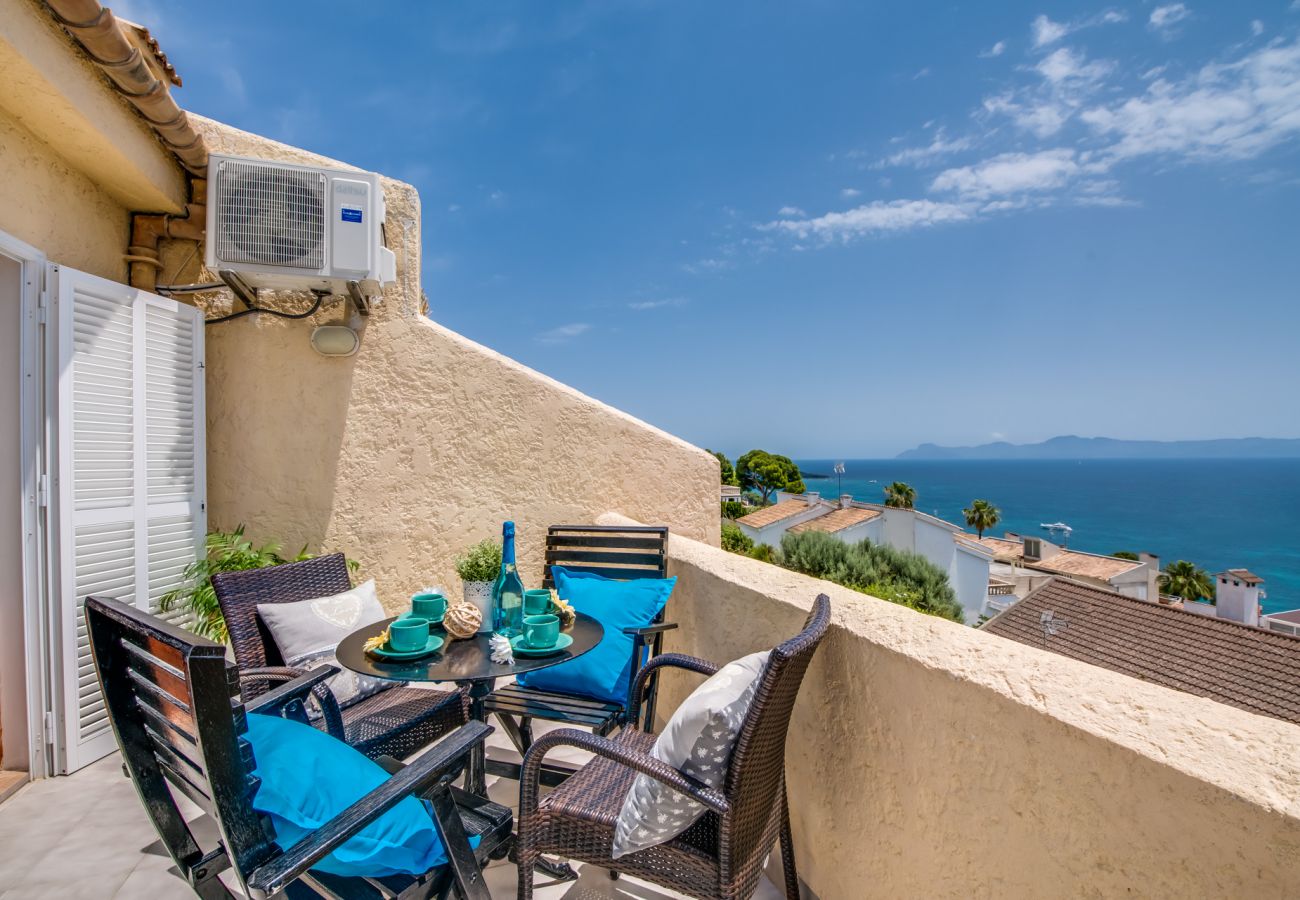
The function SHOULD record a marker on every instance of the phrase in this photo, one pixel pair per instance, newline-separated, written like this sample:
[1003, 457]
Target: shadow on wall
[277, 418]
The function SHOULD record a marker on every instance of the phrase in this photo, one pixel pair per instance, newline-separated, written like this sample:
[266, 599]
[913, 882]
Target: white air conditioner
[287, 227]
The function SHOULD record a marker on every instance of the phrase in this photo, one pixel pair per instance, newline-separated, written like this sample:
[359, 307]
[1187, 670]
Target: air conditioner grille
[270, 216]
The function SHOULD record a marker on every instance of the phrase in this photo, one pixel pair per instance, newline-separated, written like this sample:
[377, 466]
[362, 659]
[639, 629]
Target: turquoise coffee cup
[408, 634]
[430, 606]
[541, 631]
[537, 602]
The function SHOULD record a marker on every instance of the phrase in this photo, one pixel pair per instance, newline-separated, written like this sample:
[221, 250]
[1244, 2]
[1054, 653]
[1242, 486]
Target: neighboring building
[1023, 560]
[851, 521]
[1237, 593]
[733, 494]
[1249, 668]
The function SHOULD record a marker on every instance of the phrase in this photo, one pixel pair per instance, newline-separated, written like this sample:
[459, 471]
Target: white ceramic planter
[479, 593]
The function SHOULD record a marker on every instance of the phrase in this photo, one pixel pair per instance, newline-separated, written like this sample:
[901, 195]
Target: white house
[965, 562]
[1023, 560]
[1237, 593]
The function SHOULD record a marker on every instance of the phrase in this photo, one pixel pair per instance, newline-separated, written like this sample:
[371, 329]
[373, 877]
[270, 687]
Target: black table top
[465, 660]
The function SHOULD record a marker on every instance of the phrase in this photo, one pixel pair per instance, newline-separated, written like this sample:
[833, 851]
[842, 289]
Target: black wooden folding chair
[620, 552]
[174, 704]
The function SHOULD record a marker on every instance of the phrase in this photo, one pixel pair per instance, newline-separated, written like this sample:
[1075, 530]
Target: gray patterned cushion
[308, 632]
[698, 741]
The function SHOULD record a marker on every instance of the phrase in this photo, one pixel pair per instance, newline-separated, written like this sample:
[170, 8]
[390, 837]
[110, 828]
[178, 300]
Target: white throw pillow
[698, 741]
[308, 632]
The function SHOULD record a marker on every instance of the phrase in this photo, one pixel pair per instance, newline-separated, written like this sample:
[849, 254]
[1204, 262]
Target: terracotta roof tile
[1087, 565]
[1249, 668]
[769, 515]
[1244, 575]
[837, 520]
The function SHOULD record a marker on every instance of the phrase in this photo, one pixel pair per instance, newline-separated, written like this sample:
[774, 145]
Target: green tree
[1125, 554]
[898, 576]
[900, 494]
[1187, 581]
[982, 515]
[728, 470]
[768, 473]
[734, 509]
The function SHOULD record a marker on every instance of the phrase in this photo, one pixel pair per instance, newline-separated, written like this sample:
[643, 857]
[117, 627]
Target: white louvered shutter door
[129, 492]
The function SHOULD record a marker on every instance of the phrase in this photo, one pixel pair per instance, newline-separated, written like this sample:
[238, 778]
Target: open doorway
[22, 692]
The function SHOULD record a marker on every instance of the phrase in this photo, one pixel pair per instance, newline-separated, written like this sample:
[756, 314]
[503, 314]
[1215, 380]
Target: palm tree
[900, 494]
[982, 515]
[1187, 581]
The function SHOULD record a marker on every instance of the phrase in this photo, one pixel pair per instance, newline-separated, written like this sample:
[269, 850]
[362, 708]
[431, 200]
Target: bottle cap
[508, 529]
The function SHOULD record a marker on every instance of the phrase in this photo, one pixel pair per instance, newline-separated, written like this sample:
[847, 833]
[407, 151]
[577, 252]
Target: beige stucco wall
[927, 759]
[58, 210]
[424, 441]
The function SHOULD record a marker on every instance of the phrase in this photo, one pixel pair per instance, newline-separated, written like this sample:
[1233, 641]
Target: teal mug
[537, 602]
[411, 633]
[431, 606]
[541, 631]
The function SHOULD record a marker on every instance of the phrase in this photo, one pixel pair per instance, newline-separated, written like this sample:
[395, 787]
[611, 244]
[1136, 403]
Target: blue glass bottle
[508, 591]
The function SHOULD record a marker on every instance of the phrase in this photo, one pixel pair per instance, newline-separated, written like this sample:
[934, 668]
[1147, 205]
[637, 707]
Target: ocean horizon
[1217, 513]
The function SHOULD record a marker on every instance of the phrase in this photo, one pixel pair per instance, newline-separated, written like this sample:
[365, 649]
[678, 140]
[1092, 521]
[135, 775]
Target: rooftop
[1087, 565]
[1245, 575]
[1245, 667]
[1002, 548]
[837, 520]
[770, 515]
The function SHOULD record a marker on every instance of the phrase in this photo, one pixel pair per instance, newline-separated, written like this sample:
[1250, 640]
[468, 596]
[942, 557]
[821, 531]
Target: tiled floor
[86, 837]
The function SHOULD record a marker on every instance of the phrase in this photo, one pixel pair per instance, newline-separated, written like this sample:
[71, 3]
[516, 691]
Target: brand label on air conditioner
[351, 214]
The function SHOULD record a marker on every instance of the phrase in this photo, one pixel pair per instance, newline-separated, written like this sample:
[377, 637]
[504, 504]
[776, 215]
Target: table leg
[476, 775]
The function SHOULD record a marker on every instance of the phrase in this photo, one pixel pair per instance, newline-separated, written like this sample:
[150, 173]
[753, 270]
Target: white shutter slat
[130, 439]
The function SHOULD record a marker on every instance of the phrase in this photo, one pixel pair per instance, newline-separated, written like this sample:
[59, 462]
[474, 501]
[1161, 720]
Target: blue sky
[825, 229]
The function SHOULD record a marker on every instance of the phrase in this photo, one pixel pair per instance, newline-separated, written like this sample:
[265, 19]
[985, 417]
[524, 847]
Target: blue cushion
[309, 777]
[604, 672]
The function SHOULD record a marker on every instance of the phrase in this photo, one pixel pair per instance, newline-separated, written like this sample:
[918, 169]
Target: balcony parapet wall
[928, 759]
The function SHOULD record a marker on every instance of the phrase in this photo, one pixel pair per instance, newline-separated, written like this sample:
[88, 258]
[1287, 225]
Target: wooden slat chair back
[175, 707]
[614, 551]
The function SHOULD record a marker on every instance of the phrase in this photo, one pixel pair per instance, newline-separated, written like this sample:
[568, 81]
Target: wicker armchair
[395, 722]
[721, 856]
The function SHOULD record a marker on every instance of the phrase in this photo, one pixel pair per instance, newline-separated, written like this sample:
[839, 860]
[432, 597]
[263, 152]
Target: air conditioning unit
[288, 227]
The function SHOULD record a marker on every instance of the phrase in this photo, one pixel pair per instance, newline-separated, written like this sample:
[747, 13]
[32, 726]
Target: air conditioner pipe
[148, 229]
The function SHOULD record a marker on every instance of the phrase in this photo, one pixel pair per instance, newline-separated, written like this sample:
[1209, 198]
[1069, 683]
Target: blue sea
[1221, 513]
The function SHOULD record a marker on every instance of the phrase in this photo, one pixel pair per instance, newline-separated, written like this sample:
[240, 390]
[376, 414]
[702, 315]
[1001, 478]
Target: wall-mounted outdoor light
[335, 340]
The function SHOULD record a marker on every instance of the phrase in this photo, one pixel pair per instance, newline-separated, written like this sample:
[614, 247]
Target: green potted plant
[227, 551]
[478, 569]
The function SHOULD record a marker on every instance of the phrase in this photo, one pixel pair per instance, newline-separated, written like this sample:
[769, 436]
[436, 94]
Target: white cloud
[921, 73]
[919, 156]
[1065, 66]
[849, 193]
[710, 264]
[1048, 32]
[1226, 110]
[1009, 173]
[562, 333]
[878, 217]
[999, 48]
[1256, 27]
[1164, 19]
[1069, 79]
[790, 211]
[641, 305]
[453, 207]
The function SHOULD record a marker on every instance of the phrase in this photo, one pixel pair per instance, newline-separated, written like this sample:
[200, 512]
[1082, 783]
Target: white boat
[1056, 527]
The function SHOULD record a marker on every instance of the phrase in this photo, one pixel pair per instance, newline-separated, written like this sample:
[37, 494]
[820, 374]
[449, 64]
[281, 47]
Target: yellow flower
[377, 641]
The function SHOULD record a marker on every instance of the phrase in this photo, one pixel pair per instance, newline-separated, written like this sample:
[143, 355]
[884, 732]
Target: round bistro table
[468, 663]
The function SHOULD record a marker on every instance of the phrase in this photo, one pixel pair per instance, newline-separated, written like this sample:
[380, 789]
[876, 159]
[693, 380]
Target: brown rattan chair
[395, 722]
[721, 856]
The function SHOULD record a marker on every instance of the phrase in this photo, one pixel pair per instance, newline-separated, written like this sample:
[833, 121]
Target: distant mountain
[1072, 447]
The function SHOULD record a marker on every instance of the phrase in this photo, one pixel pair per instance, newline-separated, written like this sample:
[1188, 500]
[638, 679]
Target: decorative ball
[462, 621]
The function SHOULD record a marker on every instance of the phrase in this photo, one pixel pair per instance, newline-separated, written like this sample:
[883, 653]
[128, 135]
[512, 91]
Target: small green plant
[482, 562]
[227, 551]
[735, 540]
[734, 509]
